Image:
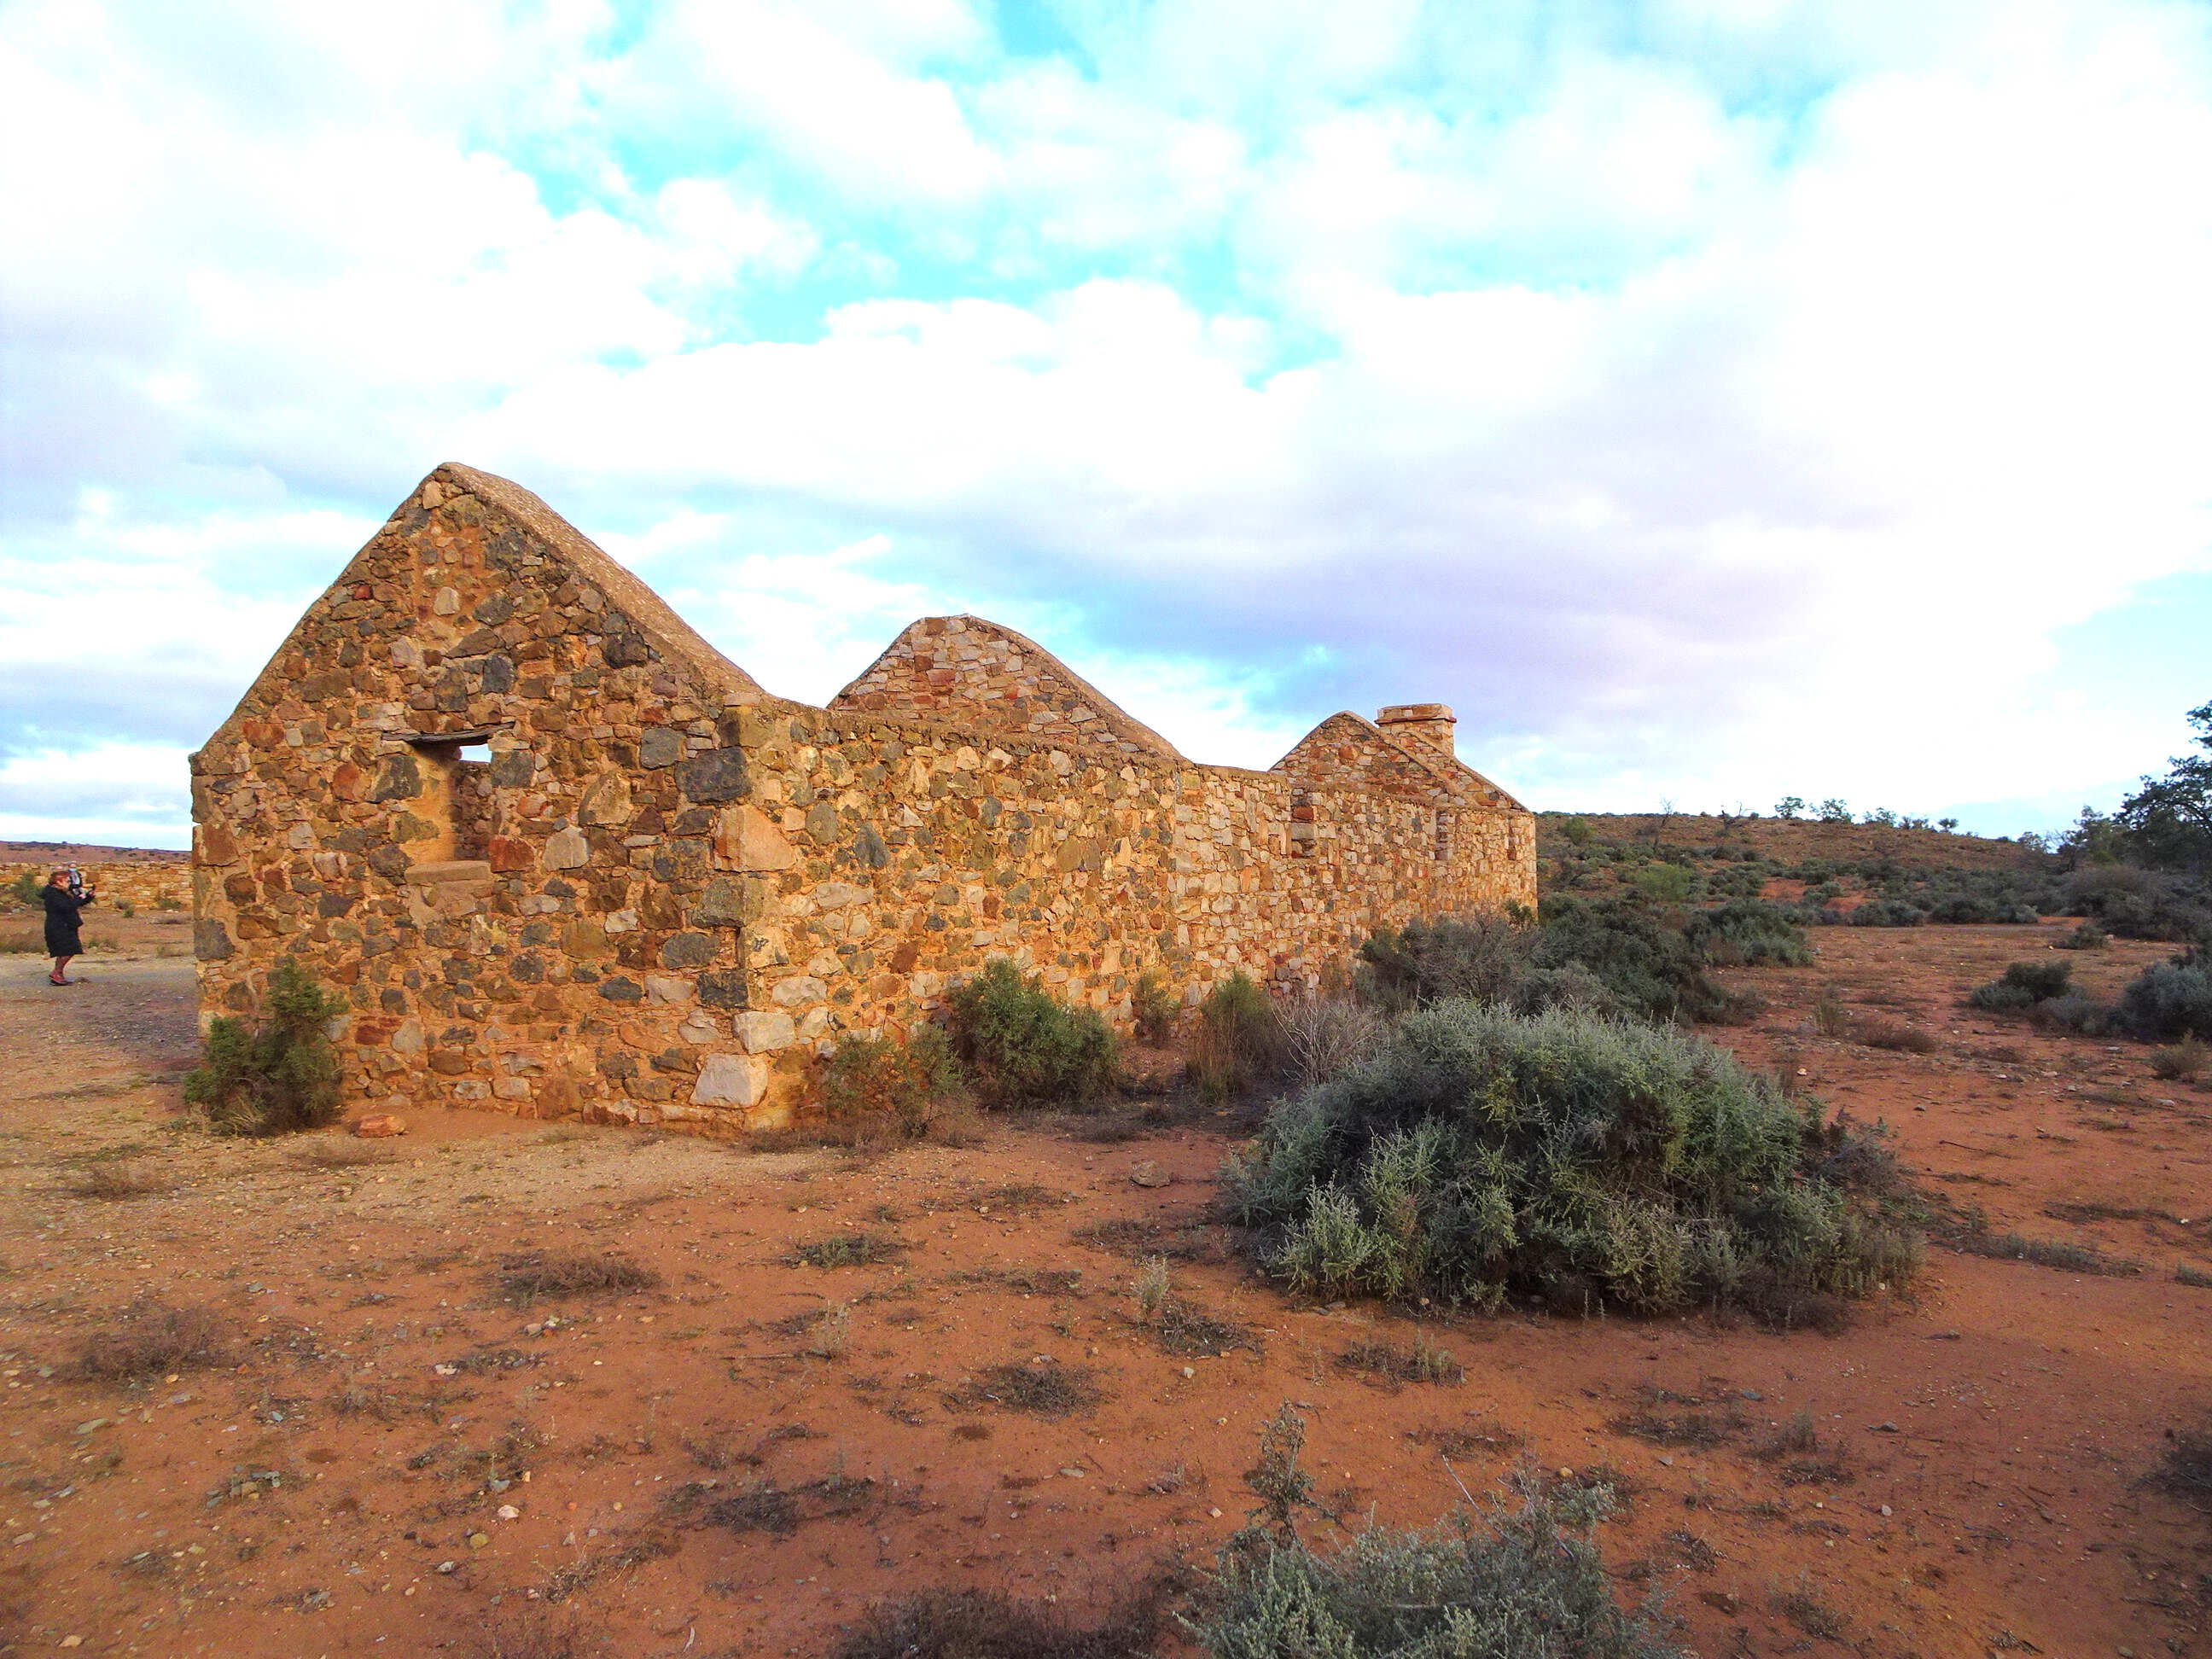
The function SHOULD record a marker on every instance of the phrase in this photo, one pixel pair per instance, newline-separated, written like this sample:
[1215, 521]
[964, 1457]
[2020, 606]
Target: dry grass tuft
[588, 1570]
[1830, 1017]
[349, 1154]
[1050, 1389]
[2185, 1470]
[111, 1179]
[1802, 1605]
[2044, 1252]
[1698, 1429]
[823, 1332]
[1879, 1031]
[1481, 1438]
[1126, 1236]
[1183, 1329]
[532, 1278]
[860, 1250]
[1422, 1363]
[1154, 1283]
[152, 1339]
[2188, 1059]
[524, 1631]
[1796, 1448]
[984, 1623]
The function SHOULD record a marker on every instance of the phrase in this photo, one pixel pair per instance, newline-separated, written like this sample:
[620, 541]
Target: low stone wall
[143, 887]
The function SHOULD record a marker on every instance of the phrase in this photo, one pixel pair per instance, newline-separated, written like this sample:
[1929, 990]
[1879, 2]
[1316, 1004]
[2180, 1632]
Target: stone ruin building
[562, 858]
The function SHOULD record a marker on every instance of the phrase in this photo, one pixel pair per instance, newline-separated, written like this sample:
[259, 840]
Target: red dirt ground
[306, 1497]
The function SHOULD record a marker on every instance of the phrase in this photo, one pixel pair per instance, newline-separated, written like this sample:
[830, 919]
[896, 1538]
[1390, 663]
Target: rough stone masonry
[561, 858]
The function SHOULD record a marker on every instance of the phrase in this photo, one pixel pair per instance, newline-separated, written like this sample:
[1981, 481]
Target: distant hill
[71, 852]
[1790, 841]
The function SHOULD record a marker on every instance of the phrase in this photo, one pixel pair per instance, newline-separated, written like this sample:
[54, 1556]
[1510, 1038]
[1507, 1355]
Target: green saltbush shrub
[2076, 1011]
[2134, 904]
[1026, 1049]
[1239, 1040]
[1666, 884]
[2170, 1000]
[2024, 984]
[1646, 959]
[1612, 957]
[279, 1077]
[1747, 932]
[1481, 958]
[1887, 912]
[873, 1085]
[1523, 1580]
[1577, 1161]
[1155, 1006]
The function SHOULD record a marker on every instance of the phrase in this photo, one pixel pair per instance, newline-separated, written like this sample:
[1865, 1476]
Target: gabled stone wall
[975, 673]
[562, 857]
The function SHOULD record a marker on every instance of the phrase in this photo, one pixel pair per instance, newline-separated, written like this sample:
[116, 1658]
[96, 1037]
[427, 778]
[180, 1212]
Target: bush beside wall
[1562, 1158]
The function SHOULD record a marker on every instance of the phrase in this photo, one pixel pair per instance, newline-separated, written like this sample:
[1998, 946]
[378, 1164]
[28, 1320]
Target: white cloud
[1693, 435]
[111, 793]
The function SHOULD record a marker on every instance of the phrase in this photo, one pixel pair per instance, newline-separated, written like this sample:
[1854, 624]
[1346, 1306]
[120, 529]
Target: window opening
[454, 809]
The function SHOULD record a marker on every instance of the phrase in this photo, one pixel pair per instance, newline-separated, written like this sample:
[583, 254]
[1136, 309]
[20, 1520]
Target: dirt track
[304, 1498]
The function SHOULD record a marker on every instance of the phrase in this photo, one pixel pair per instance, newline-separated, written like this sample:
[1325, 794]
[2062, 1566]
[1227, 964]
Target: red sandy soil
[306, 1497]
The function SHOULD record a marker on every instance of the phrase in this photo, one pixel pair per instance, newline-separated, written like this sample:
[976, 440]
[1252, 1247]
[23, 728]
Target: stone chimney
[1421, 725]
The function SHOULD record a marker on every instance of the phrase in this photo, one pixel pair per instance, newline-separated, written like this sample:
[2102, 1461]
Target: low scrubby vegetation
[279, 1077]
[876, 1086]
[1154, 1006]
[860, 1250]
[2168, 1002]
[986, 1623]
[1050, 1389]
[150, 1340]
[526, 1279]
[2171, 1001]
[1238, 1038]
[2022, 986]
[1026, 1047]
[2145, 872]
[1573, 1161]
[1522, 1578]
[2185, 1470]
[2186, 1061]
[1614, 957]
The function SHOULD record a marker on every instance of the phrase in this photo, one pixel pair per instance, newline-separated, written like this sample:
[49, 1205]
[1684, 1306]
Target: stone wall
[985, 678]
[561, 857]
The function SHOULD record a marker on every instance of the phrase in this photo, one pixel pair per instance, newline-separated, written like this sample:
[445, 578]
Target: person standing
[63, 940]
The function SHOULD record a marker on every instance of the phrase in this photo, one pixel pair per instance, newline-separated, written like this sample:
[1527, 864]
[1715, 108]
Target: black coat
[62, 921]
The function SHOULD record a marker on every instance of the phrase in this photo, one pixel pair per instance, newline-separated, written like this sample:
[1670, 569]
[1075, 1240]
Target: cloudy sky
[1712, 399]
